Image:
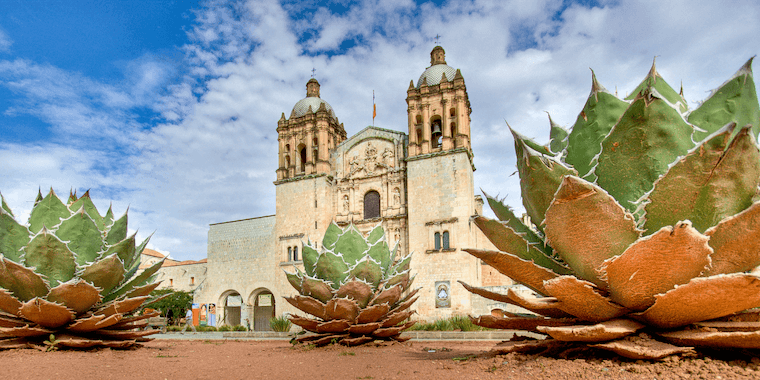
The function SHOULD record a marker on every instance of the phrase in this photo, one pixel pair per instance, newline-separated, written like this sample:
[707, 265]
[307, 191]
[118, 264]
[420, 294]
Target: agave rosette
[71, 273]
[646, 220]
[354, 288]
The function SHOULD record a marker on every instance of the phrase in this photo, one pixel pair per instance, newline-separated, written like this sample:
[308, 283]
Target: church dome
[434, 73]
[438, 67]
[302, 107]
[312, 100]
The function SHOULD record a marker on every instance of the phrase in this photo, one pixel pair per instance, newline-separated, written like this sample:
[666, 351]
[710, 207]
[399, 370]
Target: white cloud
[213, 158]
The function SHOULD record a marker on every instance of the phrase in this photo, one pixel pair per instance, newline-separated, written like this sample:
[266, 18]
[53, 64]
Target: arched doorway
[263, 309]
[233, 303]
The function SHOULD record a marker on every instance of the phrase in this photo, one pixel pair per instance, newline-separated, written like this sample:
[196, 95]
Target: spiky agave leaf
[353, 287]
[697, 207]
[71, 272]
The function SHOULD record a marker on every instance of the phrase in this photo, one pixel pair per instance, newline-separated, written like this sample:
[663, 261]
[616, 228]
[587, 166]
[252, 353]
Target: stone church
[418, 185]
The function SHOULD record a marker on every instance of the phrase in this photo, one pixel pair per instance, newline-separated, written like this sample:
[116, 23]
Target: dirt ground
[277, 359]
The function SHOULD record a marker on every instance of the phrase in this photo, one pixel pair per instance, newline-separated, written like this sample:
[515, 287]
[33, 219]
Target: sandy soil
[167, 359]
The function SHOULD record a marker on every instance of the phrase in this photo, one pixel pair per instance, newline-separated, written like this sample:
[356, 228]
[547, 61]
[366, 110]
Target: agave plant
[70, 275]
[354, 289]
[646, 223]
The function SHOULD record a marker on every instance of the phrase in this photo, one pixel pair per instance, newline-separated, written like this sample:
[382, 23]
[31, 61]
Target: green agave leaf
[649, 136]
[331, 267]
[118, 230]
[47, 212]
[401, 265]
[381, 253]
[23, 282]
[5, 205]
[82, 236]
[654, 80]
[50, 257]
[309, 255]
[13, 236]
[711, 183]
[125, 249]
[540, 176]
[72, 197]
[108, 218]
[506, 239]
[375, 235]
[85, 202]
[351, 245]
[557, 137]
[506, 215]
[331, 236]
[137, 281]
[402, 278]
[295, 280]
[599, 115]
[138, 251]
[368, 270]
[317, 288]
[734, 101]
[105, 274]
[39, 197]
[586, 226]
[543, 149]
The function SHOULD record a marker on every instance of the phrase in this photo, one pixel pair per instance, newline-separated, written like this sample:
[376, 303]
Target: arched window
[419, 135]
[290, 253]
[303, 159]
[437, 241]
[445, 239]
[436, 133]
[371, 205]
[315, 148]
[295, 253]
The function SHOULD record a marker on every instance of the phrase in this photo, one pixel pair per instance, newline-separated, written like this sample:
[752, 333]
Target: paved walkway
[497, 335]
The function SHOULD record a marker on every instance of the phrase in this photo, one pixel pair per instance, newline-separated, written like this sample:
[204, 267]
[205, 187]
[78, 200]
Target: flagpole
[374, 108]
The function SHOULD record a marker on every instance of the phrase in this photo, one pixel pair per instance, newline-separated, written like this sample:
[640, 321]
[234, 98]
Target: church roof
[302, 107]
[434, 73]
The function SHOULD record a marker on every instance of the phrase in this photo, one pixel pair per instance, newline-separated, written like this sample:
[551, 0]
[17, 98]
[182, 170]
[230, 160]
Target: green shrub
[225, 328]
[206, 328]
[173, 328]
[280, 324]
[463, 323]
[239, 328]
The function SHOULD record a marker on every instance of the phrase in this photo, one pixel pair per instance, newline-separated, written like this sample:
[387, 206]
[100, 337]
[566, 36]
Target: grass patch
[280, 324]
[454, 323]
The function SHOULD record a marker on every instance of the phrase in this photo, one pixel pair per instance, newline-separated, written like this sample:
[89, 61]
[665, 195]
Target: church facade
[418, 185]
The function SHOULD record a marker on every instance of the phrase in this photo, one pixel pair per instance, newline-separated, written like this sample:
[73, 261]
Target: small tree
[173, 306]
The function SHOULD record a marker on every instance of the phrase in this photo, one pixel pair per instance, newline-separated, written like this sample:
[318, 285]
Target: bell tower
[441, 198]
[438, 109]
[308, 137]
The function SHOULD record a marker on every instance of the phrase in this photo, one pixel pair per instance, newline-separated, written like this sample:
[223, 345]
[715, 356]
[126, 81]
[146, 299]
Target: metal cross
[436, 39]
[313, 70]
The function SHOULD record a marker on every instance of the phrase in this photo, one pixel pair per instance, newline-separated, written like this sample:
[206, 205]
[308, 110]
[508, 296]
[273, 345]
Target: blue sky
[170, 107]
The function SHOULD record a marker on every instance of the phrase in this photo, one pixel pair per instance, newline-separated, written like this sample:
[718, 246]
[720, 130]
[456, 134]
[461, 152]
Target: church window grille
[437, 241]
[372, 205]
[445, 240]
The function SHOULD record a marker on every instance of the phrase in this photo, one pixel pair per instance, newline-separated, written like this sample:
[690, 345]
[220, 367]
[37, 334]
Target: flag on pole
[374, 108]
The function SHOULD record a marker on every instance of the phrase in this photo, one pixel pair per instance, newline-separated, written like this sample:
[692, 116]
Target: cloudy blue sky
[170, 107]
